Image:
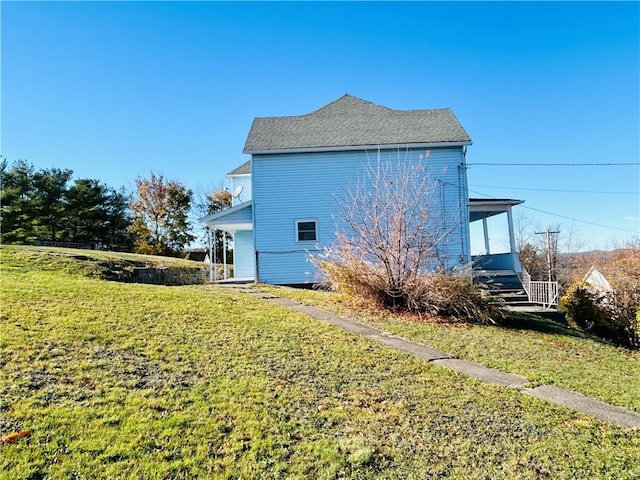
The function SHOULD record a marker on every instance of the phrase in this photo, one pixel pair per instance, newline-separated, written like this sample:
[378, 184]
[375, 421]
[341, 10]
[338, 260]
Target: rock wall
[168, 276]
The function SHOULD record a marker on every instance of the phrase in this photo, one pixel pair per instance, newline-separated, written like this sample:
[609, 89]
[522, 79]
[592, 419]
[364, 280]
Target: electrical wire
[582, 221]
[566, 217]
[617, 164]
[552, 190]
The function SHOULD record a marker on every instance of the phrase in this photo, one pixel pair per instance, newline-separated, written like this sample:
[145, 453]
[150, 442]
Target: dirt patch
[138, 371]
[80, 373]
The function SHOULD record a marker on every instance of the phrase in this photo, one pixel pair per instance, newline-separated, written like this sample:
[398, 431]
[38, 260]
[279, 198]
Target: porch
[502, 272]
[238, 222]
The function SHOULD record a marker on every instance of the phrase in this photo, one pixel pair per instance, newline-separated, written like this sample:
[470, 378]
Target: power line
[566, 217]
[553, 190]
[618, 164]
[582, 221]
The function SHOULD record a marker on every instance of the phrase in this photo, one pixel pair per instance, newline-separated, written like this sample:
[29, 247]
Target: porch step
[505, 286]
[511, 297]
[505, 282]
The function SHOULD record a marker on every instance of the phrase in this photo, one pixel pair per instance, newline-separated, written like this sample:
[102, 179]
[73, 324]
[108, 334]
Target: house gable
[303, 169]
[350, 123]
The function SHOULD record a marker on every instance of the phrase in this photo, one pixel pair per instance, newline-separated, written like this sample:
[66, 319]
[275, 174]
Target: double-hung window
[306, 230]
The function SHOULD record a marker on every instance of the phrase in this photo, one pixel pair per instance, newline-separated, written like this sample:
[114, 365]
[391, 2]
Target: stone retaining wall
[167, 276]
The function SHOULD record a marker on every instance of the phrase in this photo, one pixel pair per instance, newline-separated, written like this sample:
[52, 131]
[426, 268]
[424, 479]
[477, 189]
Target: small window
[306, 230]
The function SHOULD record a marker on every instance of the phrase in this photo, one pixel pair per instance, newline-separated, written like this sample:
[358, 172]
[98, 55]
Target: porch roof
[480, 208]
[244, 169]
[238, 217]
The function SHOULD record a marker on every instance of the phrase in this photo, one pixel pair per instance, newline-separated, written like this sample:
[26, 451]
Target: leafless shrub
[394, 248]
[434, 293]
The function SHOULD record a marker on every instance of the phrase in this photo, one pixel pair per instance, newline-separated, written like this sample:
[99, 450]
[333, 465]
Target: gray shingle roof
[352, 122]
[242, 169]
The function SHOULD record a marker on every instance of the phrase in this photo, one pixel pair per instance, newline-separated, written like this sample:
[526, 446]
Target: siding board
[243, 181]
[243, 256]
[287, 187]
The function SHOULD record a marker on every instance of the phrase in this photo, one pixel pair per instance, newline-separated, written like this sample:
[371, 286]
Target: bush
[606, 314]
[393, 241]
[613, 314]
[437, 294]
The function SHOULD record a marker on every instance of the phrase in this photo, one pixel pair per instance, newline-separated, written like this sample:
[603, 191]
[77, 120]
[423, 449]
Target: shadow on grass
[529, 321]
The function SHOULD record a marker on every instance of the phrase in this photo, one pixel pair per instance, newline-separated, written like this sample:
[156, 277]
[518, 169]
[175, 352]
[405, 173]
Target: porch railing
[545, 293]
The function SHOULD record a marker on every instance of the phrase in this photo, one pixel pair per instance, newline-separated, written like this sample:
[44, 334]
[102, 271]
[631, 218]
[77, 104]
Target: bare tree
[523, 228]
[393, 244]
[391, 225]
[210, 200]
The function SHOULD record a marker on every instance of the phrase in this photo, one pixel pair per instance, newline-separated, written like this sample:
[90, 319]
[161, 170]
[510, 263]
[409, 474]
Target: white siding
[290, 187]
[243, 256]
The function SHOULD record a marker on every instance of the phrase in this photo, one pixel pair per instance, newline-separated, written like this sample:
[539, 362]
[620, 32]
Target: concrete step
[516, 300]
[501, 283]
[507, 292]
[510, 296]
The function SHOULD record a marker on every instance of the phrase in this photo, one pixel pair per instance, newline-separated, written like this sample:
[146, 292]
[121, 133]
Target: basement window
[306, 230]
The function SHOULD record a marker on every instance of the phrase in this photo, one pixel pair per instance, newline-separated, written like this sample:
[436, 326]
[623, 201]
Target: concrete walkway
[568, 398]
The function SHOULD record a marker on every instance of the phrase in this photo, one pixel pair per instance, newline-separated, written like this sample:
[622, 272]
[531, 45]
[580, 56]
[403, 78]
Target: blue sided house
[288, 196]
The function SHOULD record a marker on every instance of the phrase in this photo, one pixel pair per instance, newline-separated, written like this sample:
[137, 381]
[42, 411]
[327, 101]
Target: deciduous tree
[209, 201]
[161, 222]
[218, 200]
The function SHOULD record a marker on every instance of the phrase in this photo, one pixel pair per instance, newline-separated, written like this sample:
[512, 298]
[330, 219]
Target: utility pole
[548, 233]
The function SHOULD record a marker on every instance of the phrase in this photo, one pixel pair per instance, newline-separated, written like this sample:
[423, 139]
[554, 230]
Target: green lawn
[538, 349]
[139, 381]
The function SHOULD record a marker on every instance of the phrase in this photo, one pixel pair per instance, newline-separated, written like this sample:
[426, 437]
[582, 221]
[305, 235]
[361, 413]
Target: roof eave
[229, 176]
[479, 204]
[225, 212]
[343, 148]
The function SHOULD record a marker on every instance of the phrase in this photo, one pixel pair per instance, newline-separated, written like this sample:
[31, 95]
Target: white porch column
[211, 264]
[512, 244]
[215, 260]
[224, 253]
[485, 230]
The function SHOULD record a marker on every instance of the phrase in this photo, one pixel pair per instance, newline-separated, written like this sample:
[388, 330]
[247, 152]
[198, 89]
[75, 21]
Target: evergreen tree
[40, 205]
[48, 202]
[86, 211]
[118, 220]
[16, 210]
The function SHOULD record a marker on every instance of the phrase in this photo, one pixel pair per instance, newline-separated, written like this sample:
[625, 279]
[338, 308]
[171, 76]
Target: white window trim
[296, 231]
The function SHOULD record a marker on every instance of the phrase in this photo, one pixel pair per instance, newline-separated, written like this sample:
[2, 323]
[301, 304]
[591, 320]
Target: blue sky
[116, 90]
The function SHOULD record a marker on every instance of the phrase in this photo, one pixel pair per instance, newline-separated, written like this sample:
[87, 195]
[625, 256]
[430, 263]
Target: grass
[91, 263]
[140, 381]
[540, 350]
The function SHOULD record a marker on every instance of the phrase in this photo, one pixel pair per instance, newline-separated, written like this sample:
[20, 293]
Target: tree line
[47, 205]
